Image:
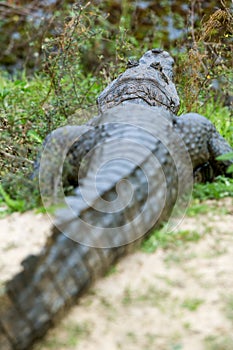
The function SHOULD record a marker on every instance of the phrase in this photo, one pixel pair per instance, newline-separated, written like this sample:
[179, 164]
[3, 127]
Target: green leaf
[34, 136]
[226, 156]
[17, 205]
[230, 169]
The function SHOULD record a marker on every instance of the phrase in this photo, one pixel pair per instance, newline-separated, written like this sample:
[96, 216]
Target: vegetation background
[57, 56]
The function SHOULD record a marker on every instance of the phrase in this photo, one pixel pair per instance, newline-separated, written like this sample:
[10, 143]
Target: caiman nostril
[156, 51]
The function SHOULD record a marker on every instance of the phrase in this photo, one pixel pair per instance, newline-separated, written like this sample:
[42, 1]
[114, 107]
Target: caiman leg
[204, 145]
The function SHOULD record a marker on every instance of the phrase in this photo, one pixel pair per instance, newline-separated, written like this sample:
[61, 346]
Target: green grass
[227, 156]
[176, 347]
[28, 112]
[22, 108]
[219, 342]
[220, 116]
[70, 337]
[152, 295]
[220, 188]
[196, 207]
[223, 187]
[162, 239]
[112, 270]
[24, 125]
[228, 307]
[15, 205]
[192, 304]
[201, 207]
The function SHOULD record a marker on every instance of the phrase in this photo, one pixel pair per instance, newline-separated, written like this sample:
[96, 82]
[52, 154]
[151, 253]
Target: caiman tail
[136, 175]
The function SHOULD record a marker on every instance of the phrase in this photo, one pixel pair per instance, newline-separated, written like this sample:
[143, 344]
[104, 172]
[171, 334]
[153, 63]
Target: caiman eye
[132, 63]
[156, 65]
[172, 104]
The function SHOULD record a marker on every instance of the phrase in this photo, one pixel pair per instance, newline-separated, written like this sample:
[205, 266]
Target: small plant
[161, 239]
[112, 270]
[219, 342]
[197, 206]
[227, 156]
[207, 68]
[154, 296]
[228, 307]
[70, 337]
[220, 188]
[15, 205]
[80, 41]
[192, 304]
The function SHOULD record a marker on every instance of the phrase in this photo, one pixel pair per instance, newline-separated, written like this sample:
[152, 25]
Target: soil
[175, 298]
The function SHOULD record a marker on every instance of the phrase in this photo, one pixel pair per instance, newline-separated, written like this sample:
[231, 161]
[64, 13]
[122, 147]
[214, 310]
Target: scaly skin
[152, 77]
[204, 145]
[147, 100]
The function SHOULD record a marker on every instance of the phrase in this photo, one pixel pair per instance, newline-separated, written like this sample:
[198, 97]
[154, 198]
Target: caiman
[131, 167]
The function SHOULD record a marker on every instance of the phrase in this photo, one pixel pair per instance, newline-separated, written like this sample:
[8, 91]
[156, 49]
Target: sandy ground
[20, 235]
[172, 299]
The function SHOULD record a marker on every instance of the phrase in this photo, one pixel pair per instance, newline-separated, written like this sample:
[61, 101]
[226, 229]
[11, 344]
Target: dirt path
[172, 299]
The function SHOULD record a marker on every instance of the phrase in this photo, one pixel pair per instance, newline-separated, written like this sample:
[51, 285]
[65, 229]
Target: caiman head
[146, 82]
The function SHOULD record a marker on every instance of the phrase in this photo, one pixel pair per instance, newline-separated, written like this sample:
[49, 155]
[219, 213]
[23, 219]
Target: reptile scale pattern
[140, 141]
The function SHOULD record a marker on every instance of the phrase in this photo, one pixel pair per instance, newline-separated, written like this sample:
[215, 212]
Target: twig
[11, 156]
[192, 24]
[16, 9]
[226, 9]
